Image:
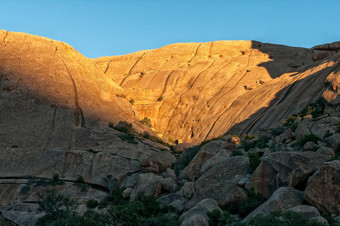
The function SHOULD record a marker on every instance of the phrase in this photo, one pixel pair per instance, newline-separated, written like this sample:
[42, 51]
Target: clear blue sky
[104, 28]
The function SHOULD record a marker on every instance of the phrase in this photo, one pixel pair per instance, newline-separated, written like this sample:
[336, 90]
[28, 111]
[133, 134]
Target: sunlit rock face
[55, 105]
[191, 92]
[49, 71]
[197, 91]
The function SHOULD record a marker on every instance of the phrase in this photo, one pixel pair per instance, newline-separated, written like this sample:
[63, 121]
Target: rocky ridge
[198, 91]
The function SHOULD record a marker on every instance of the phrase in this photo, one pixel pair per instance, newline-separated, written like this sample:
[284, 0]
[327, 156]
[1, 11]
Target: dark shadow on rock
[293, 98]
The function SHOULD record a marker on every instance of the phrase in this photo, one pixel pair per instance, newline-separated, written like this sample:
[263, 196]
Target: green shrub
[80, 180]
[283, 219]
[111, 125]
[60, 210]
[290, 123]
[261, 142]
[81, 184]
[337, 149]
[218, 218]
[330, 219]
[42, 182]
[244, 208]
[277, 131]
[130, 138]
[338, 129]
[171, 139]
[188, 155]
[25, 189]
[111, 183]
[248, 136]
[124, 127]
[254, 160]
[132, 101]
[142, 211]
[57, 208]
[91, 204]
[4, 222]
[155, 139]
[307, 138]
[146, 121]
[56, 181]
[315, 109]
[237, 153]
[327, 134]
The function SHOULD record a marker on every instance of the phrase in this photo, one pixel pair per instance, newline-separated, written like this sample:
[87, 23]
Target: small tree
[110, 182]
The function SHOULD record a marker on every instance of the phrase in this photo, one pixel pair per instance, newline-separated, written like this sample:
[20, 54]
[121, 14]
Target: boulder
[221, 182]
[167, 199]
[323, 189]
[187, 190]
[158, 162]
[195, 220]
[282, 199]
[201, 209]
[333, 141]
[22, 213]
[326, 151]
[218, 157]
[193, 168]
[178, 205]
[309, 212]
[281, 169]
[310, 146]
[152, 185]
[212, 147]
[302, 130]
[319, 55]
[126, 193]
[169, 173]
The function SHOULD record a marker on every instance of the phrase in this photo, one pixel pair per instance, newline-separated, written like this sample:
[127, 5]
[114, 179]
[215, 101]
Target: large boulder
[212, 147]
[220, 182]
[218, 157]
[302, 130]
[152, 185]
[195, 220]
[193, 168]
[199, 211]
[282, 199]
[333, 141]
[323, 189]
[282, 169]
[22, 213]
[158, 162]
[309, 212]
[187, 190]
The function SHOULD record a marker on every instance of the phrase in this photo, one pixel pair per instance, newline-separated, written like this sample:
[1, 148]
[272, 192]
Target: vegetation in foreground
[61, 210]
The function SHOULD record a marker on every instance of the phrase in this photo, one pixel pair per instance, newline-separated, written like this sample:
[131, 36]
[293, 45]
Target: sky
[111, 27]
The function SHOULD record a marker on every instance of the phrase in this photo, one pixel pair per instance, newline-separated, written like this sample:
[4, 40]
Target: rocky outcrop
[282, 199]
[284, 169]
[221, 182]
[198, 91]
[198, 214]
[151, 184]
[193, 169]
[323, 189]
